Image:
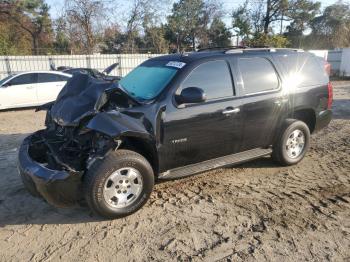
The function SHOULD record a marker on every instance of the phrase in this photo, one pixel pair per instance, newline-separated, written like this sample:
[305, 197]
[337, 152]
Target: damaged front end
[53, 161]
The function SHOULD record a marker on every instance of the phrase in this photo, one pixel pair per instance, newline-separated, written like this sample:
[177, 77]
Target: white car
[31, 88]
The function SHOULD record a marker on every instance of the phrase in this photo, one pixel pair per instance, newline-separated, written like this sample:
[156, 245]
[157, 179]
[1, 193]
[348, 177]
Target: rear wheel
[292, 143]
[118, 185]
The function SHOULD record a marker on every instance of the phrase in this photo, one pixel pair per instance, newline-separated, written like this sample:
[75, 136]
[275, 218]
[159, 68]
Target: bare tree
[84, 19]
[145, 15]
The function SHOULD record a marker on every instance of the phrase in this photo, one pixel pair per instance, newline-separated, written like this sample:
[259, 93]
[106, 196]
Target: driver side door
[197, 132]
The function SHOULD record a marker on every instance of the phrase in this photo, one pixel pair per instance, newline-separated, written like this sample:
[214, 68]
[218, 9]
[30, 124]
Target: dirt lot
[255, 211]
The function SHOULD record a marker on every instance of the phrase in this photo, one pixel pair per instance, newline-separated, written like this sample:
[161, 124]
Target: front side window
[213, 77]
[146, 81]
[258, 75]
[23, 80]
[2, 81]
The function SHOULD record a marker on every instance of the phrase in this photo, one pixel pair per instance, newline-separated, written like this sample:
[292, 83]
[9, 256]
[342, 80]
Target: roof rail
[243, 50]
[218, 48]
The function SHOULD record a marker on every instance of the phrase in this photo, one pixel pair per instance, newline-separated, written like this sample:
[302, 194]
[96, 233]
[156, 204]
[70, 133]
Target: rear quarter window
[306, 70]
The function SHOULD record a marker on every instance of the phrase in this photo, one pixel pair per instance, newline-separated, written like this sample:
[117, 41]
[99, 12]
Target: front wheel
[292, 143]
[118, 185]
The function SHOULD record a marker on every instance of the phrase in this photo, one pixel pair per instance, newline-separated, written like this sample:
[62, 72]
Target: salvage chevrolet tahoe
[107, 142]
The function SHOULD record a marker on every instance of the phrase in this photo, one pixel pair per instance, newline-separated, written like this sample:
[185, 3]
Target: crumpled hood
[82, 96]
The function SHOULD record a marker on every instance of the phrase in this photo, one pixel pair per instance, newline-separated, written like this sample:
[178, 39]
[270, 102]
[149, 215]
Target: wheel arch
[306, 115]
[142, 146]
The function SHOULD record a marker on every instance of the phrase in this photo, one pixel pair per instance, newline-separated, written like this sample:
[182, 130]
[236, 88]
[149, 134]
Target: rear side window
[23, 79]
[45, 78]
[63, 78]
[213, 77]
[258, 75]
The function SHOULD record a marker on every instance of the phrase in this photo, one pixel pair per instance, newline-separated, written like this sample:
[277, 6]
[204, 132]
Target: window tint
[213, 77]
[63, 78]
[5, 79]
[304, 70]
[23, 79]
[258, 75]
[46, 77]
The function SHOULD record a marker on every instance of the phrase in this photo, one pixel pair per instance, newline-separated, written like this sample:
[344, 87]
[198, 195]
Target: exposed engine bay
[70, 141]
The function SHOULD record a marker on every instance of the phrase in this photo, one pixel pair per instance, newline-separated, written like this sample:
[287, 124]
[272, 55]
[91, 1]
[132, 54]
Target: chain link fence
[16, 64]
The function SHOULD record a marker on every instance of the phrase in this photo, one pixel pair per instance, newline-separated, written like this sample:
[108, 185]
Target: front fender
[116, 124]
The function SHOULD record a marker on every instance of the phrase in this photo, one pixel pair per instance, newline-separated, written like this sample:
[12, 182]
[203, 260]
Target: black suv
[106, 142]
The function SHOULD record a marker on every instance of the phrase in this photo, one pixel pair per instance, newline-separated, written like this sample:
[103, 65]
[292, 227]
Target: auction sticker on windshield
[176, 64]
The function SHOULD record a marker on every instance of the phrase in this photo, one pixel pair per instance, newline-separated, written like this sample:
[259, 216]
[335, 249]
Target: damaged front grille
[67, 148]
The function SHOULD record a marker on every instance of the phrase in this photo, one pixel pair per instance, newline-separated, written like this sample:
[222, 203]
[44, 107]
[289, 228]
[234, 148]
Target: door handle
[30, 87]
[231, 111]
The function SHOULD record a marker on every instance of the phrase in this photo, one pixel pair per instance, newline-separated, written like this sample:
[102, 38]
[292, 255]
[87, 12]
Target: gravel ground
[255, 211]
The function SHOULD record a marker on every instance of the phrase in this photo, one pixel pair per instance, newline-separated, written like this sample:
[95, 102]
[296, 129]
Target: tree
[85, 22]
[155, 39]
[332, 28]
[184, 22]
[61, 44]
[264, 40]
[113, 40]
[241, 21]
[32, 16]
[145, 19]
[13, 39]
[188, 24]
[301, 14]
[255, 22]
[219, 34]
[274, 12]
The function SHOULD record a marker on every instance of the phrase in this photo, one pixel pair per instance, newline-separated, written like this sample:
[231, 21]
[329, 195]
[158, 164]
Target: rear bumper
[58, 187]
[323, 119]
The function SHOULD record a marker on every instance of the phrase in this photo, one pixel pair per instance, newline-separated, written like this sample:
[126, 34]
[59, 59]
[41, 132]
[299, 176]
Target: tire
[104, 192]
[287, 155]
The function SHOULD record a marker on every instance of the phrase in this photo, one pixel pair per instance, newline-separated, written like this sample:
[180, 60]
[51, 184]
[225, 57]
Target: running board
[215, 163]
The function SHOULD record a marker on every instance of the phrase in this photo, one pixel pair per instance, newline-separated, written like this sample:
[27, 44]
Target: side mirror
[6, 85]
[191, 95]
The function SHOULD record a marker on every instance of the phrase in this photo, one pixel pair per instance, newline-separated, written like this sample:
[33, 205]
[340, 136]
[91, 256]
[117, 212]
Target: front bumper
[58, 187]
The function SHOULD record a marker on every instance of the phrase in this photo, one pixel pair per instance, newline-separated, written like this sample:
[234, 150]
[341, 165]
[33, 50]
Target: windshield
[145, 82]
[5, 79]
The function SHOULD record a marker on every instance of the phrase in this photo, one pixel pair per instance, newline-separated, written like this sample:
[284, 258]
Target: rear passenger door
[262, 100]
[49, 85]
[198, 132]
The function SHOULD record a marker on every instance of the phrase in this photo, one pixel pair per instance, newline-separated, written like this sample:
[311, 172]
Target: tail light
[330, 95]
